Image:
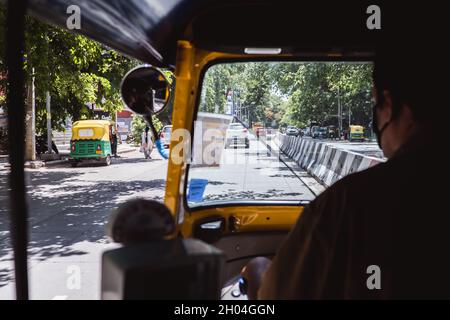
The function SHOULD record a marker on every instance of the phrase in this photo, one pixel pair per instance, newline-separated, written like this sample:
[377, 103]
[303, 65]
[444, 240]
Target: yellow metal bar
[181, 119]
[189, 65]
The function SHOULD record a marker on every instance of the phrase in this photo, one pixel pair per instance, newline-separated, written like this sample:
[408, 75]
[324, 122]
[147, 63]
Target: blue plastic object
[162, 151]
[196, 190]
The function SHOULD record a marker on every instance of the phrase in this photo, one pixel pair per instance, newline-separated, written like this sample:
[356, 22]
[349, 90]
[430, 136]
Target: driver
[382, 233]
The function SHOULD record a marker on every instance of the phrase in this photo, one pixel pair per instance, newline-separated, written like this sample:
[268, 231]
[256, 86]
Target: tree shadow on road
[274, 194]
[66, 211]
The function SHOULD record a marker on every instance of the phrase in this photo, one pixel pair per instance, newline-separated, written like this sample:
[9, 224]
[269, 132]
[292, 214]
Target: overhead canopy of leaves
[74, 69]
[291, 93]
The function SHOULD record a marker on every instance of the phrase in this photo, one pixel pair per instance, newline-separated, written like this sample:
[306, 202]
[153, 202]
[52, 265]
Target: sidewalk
[125, 148]
[64, 151]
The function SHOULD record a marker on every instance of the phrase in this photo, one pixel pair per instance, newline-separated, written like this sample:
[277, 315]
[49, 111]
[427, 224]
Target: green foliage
[138, 125]
[75, 69]
[292, 93]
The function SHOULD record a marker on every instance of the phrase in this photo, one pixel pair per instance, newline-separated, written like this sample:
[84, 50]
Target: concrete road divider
[325, 162]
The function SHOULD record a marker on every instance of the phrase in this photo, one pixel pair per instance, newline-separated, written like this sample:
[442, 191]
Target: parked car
[323, 133]
[236, 135]
[315, 132]
[292, 131]
[165, 135]
[320, 133]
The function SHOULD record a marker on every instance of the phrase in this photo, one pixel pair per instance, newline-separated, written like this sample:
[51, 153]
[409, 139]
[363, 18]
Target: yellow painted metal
[248, 218]
[190, 63]
[100, 129]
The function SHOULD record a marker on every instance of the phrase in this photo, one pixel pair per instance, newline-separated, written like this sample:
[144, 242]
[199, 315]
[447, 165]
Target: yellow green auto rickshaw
[91, 141]
[356, 133]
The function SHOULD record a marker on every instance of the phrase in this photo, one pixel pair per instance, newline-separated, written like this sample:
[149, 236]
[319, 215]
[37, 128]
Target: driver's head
[408, 93]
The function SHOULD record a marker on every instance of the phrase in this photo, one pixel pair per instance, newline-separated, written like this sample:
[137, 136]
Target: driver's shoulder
[352, 189]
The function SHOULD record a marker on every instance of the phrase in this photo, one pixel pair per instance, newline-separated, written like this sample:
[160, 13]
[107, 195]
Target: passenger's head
[408, 92]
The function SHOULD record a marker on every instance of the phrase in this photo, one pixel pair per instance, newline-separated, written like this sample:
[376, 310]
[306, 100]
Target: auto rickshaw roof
[149, 29]
[92, 123]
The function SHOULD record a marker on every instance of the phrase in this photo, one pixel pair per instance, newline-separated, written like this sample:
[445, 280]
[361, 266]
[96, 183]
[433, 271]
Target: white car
[236, 135]
[165, 134]
[292, 131]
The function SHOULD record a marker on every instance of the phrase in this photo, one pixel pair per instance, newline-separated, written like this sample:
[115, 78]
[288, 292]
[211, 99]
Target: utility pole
[49, 123]
[30, 151]
[349, 116]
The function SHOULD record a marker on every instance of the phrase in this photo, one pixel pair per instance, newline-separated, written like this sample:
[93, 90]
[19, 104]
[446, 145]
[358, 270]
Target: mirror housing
[145, 90]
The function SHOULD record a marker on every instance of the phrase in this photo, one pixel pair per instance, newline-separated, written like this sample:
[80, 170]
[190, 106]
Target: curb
[41, 164]
[56, 162]
[126, 151]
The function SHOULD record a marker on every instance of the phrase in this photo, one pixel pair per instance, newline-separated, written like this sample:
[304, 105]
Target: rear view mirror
[145, 90]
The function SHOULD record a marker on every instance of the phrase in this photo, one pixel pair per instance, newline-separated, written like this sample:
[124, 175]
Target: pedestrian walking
[146, 143]
[114, 141]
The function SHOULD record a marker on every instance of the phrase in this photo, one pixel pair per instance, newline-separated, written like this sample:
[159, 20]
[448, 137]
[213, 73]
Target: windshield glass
[249, 166]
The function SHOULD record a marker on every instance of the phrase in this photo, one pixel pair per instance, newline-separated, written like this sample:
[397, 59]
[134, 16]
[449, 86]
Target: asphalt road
[250, 174]
[69, 209]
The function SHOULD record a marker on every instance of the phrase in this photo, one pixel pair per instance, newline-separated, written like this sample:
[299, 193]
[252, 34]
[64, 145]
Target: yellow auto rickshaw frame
[191, 63]
[99, 127]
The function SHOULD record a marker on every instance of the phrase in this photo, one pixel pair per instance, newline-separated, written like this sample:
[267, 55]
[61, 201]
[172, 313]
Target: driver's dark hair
[412, 73]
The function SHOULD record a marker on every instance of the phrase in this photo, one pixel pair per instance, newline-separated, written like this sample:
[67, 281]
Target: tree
[74, 69]
[316, 87]
[292, 93]
[138, 125]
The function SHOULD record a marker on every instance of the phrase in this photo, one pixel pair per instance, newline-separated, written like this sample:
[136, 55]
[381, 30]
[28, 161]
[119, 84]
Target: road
[250, 174]
[68, 209]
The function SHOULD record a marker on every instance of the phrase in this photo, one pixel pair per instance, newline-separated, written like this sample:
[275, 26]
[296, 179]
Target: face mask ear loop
[379, 132]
